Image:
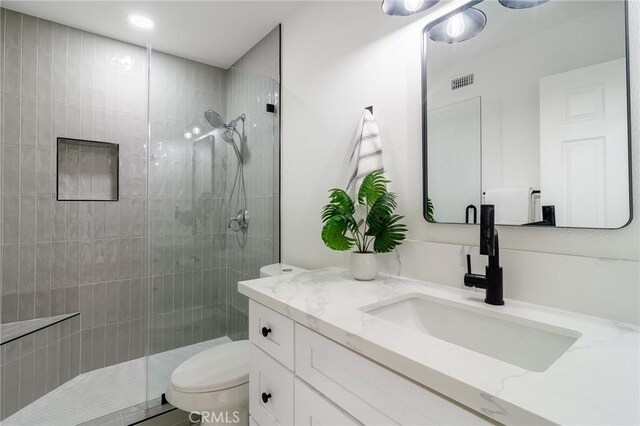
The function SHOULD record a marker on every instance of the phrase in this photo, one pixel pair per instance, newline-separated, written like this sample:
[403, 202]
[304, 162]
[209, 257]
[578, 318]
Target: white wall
[339, 57]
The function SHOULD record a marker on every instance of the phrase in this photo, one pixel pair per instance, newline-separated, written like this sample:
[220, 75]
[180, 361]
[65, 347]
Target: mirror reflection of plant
[431, 218]
[380, 231]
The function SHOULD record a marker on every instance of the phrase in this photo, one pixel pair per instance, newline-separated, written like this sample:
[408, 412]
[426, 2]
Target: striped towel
[366, 154]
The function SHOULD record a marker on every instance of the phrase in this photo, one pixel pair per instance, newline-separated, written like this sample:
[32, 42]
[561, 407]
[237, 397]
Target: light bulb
[196, 130]
[460, 27]
[413, 5]
[455, 25]
[188, 135]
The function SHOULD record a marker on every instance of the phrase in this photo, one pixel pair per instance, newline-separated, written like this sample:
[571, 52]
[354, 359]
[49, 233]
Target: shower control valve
[240, 221]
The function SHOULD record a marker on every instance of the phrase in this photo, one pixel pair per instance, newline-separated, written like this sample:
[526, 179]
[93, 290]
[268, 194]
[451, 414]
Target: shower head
[218, 123]
[229, 128]
[214, 119]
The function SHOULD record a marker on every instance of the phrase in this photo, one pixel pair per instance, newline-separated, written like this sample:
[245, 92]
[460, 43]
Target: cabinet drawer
[358, 385]
[268, 379]
[278, 341]
[312, 409]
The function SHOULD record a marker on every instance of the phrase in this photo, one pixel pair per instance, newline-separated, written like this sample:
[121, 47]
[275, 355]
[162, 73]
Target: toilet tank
[279, 269]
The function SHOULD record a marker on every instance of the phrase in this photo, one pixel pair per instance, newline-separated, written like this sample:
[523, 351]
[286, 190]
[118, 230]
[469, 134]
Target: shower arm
[206, 135]
[233, 122]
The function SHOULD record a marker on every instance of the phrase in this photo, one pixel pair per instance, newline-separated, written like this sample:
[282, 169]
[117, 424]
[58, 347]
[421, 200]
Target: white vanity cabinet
[312, 409]
[300, 377]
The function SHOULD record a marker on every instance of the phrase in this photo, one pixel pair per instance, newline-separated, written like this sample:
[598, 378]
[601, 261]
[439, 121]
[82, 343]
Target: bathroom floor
[107, 390]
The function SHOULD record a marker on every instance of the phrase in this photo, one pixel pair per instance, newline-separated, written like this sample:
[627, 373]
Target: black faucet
[492, 280]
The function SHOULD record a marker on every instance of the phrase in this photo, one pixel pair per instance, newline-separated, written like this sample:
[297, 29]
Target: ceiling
[214, 32]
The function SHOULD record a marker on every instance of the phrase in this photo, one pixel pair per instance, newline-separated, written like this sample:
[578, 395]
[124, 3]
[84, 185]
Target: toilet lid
[221, 367]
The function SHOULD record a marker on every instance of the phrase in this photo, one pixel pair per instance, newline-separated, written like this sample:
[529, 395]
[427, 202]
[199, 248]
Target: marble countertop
[597, 381]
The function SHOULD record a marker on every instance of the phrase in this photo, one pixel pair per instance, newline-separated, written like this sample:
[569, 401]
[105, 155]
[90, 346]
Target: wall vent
[465, 80]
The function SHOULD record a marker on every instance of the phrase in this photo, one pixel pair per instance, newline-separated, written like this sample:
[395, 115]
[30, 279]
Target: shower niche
[86, 170]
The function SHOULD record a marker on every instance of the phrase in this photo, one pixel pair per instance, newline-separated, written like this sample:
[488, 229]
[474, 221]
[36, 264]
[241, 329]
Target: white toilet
[280, 269]
[215, 382]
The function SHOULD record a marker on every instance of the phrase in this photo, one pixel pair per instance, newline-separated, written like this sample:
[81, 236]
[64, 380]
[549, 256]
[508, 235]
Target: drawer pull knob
[265, 397]
[265, 331]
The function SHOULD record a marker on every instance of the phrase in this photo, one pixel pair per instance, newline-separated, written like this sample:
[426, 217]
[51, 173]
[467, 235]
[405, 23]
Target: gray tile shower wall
[63, 257]
[187, 184]
[254, 81]
[37, 363]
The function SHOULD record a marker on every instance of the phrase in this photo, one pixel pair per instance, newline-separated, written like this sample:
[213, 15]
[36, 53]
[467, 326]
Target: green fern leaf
[334, 233]
[390, 235]
[431, 211]
[339, 204]
[373, 186]
[379, 213]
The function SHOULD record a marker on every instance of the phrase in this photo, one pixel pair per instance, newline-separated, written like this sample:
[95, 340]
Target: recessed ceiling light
[141, 21]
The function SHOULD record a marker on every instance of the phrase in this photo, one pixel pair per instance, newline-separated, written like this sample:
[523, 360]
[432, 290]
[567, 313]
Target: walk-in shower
[101, 300]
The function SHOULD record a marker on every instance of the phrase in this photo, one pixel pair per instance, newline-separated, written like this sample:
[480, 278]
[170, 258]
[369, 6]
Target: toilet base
[224, 407]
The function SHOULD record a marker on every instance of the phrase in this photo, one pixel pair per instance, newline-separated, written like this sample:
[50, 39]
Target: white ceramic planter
[364, 266]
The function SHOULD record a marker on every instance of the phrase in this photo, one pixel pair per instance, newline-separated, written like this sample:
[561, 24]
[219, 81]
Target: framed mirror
[526, 106]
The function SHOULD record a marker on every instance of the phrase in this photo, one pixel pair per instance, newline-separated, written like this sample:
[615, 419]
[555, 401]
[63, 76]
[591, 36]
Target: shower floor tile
[107, 390]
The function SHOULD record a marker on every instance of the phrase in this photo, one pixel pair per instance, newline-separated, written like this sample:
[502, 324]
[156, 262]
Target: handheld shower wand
[241, 219]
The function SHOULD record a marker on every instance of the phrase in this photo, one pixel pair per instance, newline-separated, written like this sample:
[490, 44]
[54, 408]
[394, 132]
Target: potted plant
[377, 231]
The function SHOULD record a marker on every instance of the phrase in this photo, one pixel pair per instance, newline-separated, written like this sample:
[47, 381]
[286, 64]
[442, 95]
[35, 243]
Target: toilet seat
[222, 367]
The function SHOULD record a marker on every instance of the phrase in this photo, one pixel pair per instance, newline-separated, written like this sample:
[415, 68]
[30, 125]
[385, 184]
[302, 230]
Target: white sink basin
[528, 344]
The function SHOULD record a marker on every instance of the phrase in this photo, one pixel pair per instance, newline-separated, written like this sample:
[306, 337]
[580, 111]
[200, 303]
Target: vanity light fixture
[521, 4]
[462, 26]
[406, 7]
[196, 130]
[141, 21]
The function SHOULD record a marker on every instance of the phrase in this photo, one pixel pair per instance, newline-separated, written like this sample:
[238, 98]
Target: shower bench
[37, 356]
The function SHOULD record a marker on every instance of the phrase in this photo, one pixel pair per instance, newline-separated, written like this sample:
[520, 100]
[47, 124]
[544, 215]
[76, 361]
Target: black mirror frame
[423, 65]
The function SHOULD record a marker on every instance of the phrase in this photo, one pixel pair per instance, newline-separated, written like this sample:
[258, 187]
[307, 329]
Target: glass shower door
[259, 245]
[187, 180]
[203, 173]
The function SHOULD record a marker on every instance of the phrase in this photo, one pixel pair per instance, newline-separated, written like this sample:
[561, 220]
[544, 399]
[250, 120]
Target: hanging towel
[365, 155]
[513, 205]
